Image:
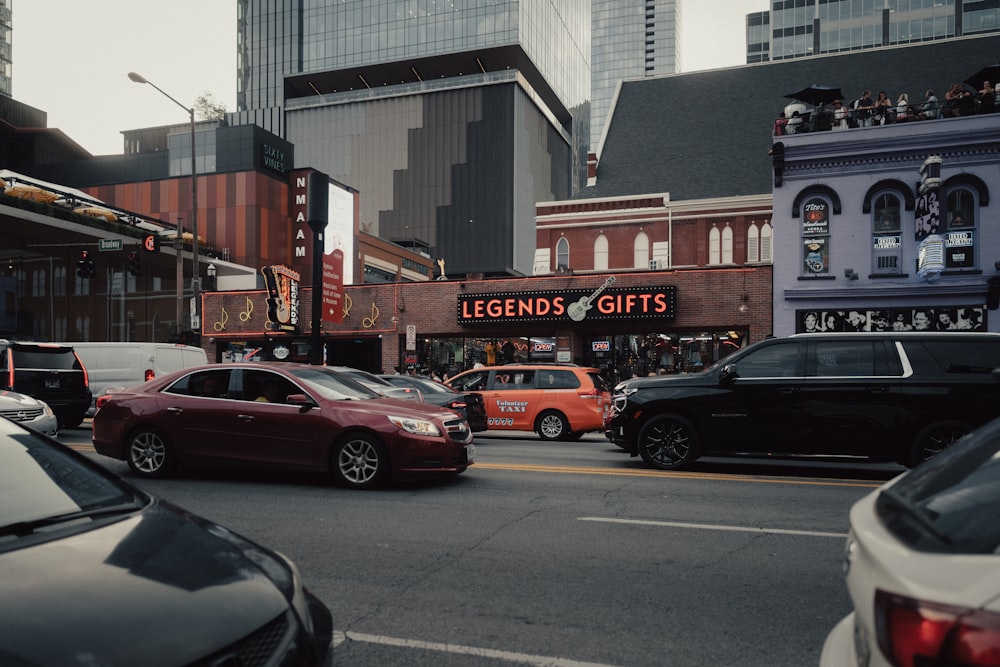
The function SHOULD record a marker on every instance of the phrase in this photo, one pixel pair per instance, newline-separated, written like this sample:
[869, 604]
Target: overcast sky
[72, 58]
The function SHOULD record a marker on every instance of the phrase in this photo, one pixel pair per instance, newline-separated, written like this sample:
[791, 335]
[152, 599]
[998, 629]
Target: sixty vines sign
[604, 303]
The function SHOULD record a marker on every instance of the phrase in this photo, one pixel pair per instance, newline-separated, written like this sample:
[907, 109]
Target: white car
[29, 412]
[923, 565]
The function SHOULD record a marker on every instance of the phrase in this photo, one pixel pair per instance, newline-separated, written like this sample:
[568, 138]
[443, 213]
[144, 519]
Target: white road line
[520, 658]
[705, 526]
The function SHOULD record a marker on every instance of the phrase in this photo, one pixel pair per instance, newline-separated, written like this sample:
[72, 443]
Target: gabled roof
[706, 134]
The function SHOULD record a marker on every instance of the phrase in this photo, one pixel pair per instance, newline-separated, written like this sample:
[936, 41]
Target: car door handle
[878, 390]
[788, 391]
[175, 411]
[246, 418]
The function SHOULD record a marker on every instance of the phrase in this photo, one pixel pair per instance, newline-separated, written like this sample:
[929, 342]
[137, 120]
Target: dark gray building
[450, 120]
[707, 134]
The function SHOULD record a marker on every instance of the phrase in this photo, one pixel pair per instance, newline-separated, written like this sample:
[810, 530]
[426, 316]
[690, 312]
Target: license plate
[470, 453]
[51, 383]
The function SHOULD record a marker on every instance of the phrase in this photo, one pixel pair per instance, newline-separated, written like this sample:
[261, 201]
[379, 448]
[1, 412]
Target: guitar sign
[578, 309]
[282, 294]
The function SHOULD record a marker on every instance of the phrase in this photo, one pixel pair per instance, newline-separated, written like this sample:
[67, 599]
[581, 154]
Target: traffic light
[85, 267]
[134, 263]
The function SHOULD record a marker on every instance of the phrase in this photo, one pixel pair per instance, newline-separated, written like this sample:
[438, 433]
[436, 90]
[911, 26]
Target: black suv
[49, 372]
[900, 396]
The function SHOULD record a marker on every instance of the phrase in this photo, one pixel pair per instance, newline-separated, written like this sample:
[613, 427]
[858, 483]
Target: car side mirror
[300, 400]
[728, 374]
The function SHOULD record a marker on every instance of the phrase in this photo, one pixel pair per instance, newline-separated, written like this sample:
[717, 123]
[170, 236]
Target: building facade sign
[634, 303]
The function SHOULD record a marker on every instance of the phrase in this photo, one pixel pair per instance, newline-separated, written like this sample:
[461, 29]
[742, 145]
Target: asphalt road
[563, 554]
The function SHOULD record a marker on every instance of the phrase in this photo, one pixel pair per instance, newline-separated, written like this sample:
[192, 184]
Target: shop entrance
[361, 353]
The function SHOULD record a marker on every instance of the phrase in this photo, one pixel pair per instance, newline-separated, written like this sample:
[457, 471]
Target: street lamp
[196, 275]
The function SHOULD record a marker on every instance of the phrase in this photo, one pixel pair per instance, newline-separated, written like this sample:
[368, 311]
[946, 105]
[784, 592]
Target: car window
[513, 379]
[207, 383]
[557, 379]
[771, 361]
[844, 358]
[950, 503]
[40, 480]
[958, 356]
[266, 387]
[599, 381]
[474, 381]
[60, 358]
[332, 385]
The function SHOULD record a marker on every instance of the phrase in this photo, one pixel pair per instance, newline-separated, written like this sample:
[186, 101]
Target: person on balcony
[987, 98]
[839, 116]
[883, 109]
[929, 108]
[903, 112]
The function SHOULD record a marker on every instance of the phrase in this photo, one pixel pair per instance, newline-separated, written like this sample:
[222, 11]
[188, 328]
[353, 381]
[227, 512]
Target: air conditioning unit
[655, 264]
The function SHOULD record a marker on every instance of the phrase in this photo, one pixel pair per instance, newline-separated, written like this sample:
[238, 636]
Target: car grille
[263, 647]
[458, 430]
[21, 414]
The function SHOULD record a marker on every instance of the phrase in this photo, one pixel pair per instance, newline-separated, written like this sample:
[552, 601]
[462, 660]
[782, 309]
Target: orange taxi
[557, 401]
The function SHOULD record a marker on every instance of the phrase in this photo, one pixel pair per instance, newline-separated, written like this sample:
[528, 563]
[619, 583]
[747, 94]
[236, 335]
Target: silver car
[29, 412]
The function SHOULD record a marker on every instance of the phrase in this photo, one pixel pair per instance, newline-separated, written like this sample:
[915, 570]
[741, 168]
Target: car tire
[574, 436]
[359, 461]
[934, 439]
[149, 454]
[552, 425]
[668, 442]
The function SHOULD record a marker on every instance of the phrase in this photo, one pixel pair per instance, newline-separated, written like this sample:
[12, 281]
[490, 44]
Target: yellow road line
[680, 475]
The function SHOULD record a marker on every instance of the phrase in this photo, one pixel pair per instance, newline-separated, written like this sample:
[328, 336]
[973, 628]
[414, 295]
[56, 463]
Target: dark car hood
[703, 379]
[154, 589]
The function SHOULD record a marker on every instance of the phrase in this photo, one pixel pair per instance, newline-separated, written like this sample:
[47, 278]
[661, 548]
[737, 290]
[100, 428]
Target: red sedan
[291, 416]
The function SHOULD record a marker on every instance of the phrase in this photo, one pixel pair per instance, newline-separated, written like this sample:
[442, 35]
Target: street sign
[109, 244]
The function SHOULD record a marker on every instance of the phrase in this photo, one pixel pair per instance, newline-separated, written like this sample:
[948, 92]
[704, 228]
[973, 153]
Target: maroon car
[291, 416]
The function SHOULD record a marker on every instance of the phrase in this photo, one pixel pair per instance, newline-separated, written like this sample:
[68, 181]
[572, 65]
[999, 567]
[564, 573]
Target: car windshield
[40, 484]
[332, 385]
[951, 502]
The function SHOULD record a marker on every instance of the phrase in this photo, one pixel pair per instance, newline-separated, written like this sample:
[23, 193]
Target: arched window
[753, 243]
[767, 243]
[815, 216]
[727, 244]
[640, 251]
[59, 283]
[601, 253]
[714, 245]
[38, 282]
[887, 239]
[562, 253]
[960, 223]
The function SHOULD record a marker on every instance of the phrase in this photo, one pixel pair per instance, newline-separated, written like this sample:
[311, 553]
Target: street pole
[195, 270]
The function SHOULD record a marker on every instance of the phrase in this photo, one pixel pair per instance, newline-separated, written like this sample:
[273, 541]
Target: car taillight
[149, 374]
[457, 405]
[86, 376]
[101, 400]
[593, 393]
[913, 633]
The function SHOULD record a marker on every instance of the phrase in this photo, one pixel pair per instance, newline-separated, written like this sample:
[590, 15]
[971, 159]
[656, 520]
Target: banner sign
[632, 303]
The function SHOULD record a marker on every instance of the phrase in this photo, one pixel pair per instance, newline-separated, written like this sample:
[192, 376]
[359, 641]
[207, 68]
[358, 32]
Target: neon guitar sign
[578, 310]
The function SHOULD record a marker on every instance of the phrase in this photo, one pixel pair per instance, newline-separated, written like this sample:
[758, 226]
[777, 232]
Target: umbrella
[989, 73]
[817, 95]
[31, 192]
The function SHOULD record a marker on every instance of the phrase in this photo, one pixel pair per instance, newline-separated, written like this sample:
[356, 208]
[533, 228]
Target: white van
[119, 365]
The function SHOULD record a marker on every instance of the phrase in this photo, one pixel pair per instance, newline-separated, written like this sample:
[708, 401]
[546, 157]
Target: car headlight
[416, 426]
[46, 409]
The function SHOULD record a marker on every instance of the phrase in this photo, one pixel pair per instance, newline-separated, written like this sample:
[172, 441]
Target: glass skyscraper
[797, 28]
[450, 117]
[630, 39]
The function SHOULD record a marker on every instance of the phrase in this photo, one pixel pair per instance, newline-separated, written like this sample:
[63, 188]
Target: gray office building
[451, 118]
[797, 28]
[630, 39]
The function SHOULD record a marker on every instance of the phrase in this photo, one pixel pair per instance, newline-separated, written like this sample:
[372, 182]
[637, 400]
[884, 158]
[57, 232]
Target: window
[887, 240]
[562, 253]
[601, 253]
[727, 244]
[640, 251]
[714, 243]
[753, 243]
[816, 237]
[960, 229]
[778, 360]
[845, 359]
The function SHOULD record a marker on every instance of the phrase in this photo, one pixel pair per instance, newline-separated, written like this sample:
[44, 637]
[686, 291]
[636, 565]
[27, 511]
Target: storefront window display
[628, 356]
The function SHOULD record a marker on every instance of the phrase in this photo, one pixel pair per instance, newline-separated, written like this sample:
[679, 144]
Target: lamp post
[196, 274]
